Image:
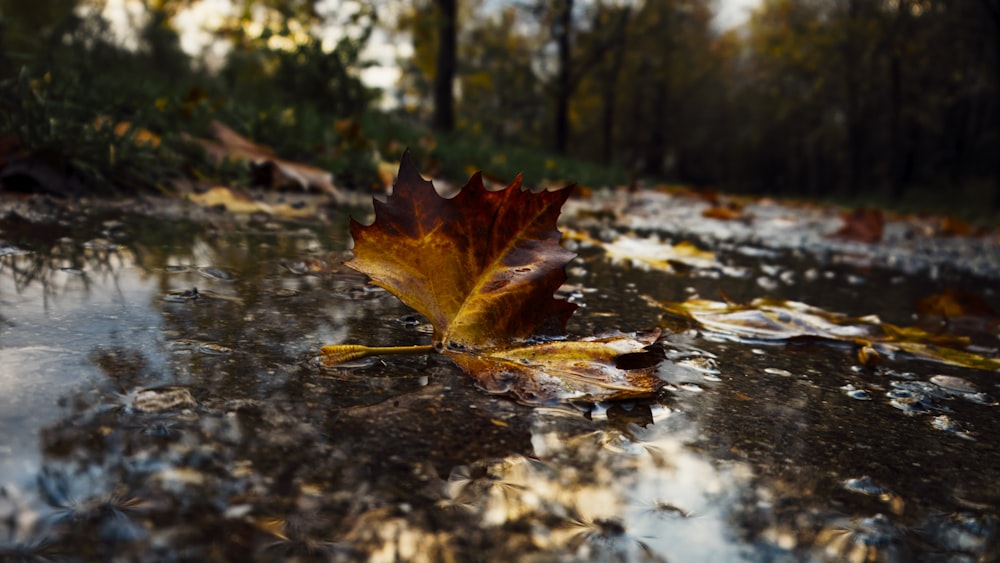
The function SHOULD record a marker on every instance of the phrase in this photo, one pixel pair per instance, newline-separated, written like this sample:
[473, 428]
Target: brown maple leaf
[483, 268]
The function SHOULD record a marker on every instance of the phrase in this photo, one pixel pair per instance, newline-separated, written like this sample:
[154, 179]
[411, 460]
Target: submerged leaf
[775, 320]
[771, 319]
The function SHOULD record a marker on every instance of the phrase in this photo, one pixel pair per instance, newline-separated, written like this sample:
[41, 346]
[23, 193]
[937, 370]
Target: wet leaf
[350, 352]
[950, 304]
[951, 226]
[234, 202]
[483, 267]
[767, 319]
[650, 252]
[723, 212]
[585, 369]
[862, 225]
[775, 320]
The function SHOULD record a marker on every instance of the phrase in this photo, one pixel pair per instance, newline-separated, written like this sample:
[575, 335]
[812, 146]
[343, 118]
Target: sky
[734, 12]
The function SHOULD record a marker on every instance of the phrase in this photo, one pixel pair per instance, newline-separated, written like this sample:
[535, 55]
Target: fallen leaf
[650, 252]
[282, 173]
[483, 267]
[220, 196]
[583, 369]
[773, 320]
[951, 226]
[950, 304]
[961, 312]
[723, 213]
[861, 225]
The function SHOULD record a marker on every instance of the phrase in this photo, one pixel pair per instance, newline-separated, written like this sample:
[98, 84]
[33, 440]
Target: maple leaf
[483, 268]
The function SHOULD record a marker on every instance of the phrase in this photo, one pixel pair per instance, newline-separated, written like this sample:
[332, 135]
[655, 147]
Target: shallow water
[161, 401]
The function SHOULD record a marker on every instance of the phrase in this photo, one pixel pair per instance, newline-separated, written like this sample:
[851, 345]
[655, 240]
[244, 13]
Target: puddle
[160, 399]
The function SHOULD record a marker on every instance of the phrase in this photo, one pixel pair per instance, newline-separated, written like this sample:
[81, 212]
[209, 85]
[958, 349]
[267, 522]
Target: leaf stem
[340, 353]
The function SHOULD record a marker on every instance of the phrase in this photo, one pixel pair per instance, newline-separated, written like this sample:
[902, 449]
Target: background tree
[501, 97]
[444, 77]
[845, 98]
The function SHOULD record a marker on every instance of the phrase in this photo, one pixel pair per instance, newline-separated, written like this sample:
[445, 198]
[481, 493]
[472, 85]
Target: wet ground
[161, 399]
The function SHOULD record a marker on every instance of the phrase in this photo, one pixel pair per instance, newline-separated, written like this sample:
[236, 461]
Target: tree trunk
[563, 88]
[852, 54]
[996, 109]
[993, 7]
[660, 151]
[897, 179]
[444, 76]
[609, 88]
[609, 100]
[656, 150]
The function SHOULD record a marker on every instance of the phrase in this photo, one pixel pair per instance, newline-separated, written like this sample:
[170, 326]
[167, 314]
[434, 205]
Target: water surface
[161, 401]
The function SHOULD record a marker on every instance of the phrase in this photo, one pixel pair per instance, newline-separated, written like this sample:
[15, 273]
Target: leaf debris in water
[775, 320]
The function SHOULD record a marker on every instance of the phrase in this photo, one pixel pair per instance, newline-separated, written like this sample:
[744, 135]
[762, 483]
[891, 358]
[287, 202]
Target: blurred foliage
[63, 105]
[455, 156]
[852, 99]
[849, 99]
[115, 117]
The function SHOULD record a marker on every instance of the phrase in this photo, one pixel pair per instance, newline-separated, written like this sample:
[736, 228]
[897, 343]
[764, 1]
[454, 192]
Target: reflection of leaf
[774, 320]
[483, 266]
